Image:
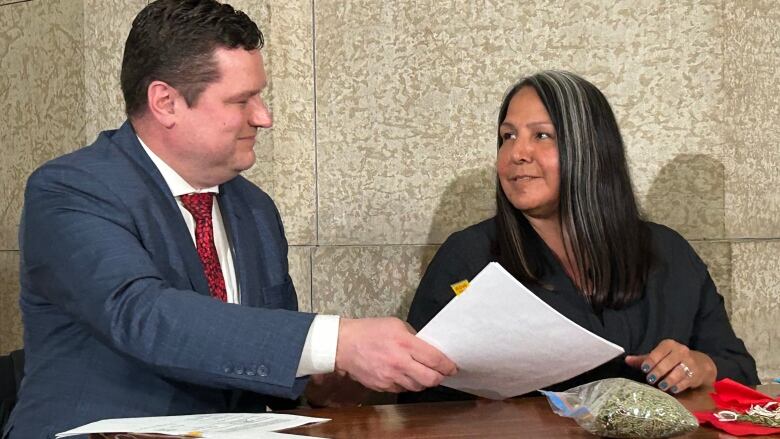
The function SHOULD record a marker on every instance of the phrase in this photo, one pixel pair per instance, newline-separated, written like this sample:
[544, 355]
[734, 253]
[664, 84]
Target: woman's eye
[543, 136]
[508, 136]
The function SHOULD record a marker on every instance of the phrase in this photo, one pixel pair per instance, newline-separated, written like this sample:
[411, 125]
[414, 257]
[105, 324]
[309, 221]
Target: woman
[568, 227]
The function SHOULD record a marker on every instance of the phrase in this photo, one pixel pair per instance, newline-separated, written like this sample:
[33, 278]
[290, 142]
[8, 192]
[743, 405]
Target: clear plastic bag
[621, 408]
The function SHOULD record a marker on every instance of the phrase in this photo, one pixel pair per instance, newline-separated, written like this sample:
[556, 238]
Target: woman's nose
[522, 150]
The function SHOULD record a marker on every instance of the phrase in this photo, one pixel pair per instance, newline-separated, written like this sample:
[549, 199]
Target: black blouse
[679, 302]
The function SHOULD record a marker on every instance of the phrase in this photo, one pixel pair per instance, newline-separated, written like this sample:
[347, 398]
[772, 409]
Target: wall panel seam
[16, 2]
[737, 240]
[311, 279]
[314, 123]
[327, 246]
[437, 244]
[316, 151]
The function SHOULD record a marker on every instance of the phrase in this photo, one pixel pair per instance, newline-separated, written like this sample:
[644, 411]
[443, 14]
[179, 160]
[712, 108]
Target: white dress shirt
[319, 350]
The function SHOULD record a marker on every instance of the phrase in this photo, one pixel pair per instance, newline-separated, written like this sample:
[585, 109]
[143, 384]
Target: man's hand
[384, 355]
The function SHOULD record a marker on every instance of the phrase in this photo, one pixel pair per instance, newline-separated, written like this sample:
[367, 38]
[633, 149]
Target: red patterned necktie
[199, 206]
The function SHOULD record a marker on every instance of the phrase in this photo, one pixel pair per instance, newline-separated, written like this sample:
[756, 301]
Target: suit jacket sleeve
[82, 250]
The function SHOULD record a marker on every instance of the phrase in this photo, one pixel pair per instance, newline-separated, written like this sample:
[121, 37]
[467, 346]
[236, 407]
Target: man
[137, 251]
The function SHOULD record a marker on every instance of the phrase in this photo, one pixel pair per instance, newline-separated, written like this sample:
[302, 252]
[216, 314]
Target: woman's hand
[673, 367]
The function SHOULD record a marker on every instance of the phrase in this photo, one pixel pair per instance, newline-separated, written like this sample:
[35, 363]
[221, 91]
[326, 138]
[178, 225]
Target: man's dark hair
[174, 41]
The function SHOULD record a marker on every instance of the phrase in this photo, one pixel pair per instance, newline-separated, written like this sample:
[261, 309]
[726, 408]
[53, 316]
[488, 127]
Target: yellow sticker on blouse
[460, 287]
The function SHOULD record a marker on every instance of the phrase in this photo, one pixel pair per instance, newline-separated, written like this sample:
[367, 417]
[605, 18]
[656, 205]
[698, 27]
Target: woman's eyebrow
[533, 124]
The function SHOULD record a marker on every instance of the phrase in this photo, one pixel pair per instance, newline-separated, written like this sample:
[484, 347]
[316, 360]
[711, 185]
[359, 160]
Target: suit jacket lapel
[176, 233]
[245, 243]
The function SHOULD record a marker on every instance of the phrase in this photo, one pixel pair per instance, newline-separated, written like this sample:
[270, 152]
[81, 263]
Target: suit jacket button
[262, 370]
[239, 370]
[227, 369]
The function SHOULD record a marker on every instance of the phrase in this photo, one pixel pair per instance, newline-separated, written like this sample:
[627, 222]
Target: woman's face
[527, 161]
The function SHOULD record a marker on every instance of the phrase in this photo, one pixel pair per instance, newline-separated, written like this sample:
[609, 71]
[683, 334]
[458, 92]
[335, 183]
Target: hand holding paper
[507, 342]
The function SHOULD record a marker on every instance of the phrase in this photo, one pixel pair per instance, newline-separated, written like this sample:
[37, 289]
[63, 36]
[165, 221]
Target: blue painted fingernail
[674, 389]
[651, 379]
[662, 385]
[645, 368]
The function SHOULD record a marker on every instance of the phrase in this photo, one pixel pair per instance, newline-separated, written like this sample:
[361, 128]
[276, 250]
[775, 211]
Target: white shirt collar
[175, 182]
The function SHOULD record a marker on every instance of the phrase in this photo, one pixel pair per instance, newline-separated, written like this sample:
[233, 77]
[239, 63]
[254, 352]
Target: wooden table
[522, 417]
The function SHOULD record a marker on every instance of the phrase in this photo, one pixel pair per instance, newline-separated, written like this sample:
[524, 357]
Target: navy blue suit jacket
[116, 308]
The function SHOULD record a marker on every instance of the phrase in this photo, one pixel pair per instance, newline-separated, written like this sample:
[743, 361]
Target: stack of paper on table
[507, 342]
[217, 425]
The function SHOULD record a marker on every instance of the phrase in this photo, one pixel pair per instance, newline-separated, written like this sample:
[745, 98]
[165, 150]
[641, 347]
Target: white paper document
[507, 342]
[218, 425]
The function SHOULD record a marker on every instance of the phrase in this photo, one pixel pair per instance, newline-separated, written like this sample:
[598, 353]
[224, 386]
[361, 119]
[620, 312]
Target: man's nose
[261, 115]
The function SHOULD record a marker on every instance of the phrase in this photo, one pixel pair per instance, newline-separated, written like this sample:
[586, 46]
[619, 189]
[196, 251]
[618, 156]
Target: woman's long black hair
[599, 215]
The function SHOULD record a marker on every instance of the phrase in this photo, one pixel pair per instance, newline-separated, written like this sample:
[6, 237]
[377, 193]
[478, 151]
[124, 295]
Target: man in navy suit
[135, 302]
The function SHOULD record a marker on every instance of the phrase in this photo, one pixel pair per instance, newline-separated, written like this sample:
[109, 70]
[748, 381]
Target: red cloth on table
[730, 395]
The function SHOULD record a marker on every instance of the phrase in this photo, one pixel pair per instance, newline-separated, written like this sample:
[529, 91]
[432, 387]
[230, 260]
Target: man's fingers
[384, 355]
[423, 376]
[431, 357]
[389, 388]
[410, 375]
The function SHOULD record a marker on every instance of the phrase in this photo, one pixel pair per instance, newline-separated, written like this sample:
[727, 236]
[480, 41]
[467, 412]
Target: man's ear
[163, 101]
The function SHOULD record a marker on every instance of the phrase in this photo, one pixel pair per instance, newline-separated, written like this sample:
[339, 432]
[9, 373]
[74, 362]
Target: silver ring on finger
[686, 369]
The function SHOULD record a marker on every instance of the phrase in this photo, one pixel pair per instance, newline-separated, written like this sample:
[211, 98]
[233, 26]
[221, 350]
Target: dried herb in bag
[621, 408]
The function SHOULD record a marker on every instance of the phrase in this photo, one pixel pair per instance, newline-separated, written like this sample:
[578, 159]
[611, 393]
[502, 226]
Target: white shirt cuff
[319, 350]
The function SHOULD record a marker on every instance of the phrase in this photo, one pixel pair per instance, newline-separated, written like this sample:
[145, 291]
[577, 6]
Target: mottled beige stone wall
[383, 142]
[105, 27]
[751, 109]
[42, 116]
[10, 326]
[408, 93]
